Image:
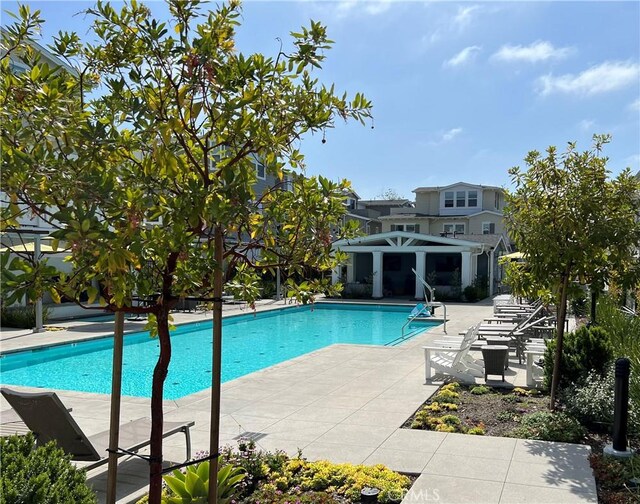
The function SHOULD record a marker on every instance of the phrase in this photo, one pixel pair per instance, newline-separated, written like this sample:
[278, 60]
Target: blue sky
[461, 91]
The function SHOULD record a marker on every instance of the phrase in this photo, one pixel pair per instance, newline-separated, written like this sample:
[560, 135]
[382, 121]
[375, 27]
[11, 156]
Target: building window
[472, 198]
[488, 228]
[453, 228]
[260, 170]
[448, 199]
[461, 198]
[497, 201]
[412, 228]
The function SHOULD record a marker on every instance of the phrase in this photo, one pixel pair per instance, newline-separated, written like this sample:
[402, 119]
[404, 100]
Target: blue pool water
[250, 342]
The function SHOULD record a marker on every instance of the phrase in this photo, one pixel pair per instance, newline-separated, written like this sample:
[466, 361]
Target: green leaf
[177, 486]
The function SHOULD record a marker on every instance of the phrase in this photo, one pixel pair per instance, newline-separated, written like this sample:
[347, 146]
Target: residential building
[450, 234]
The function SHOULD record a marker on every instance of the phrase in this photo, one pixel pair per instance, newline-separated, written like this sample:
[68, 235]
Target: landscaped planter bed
[494, 411]
[523, 413]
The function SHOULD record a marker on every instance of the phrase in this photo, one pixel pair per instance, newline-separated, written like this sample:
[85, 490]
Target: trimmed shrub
[480, 390]
[470, 294]
[40, 475]
[586, 350]
[592, 403]
[21, 317]
[624, 335]
[546, 426]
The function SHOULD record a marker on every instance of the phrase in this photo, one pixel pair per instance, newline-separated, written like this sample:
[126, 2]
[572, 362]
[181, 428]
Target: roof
[351, 192]
[402, 216]
[385, 202]
[384, 239]
[49, 56]
[492, 212]
[488, 239]
[440, 188]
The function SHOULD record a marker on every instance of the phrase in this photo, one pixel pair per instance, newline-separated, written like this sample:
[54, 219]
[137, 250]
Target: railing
[432, 291]
[411, 319]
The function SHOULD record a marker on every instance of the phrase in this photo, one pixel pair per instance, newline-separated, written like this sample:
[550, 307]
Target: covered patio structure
[386, 260]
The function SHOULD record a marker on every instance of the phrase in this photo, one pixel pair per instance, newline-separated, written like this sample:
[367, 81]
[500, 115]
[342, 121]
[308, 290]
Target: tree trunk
[157, 392]
[214, 439]
[561, 315]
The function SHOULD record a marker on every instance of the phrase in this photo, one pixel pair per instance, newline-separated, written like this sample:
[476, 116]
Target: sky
[461, 91]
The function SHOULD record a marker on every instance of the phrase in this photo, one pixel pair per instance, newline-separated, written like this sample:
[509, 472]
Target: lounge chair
[48, 419]
[517, 334]
[451, 358]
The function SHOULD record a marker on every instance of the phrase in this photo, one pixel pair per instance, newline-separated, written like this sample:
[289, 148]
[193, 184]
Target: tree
[173, 137]
[574, 225]
[389, 194]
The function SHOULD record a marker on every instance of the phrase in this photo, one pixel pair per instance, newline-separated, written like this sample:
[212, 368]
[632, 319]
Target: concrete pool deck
[345, 403]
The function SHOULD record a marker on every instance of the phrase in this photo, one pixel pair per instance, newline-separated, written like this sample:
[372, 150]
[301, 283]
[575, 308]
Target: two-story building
[451, 234]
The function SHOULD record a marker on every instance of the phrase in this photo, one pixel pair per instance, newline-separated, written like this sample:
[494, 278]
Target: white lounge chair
[451, 357]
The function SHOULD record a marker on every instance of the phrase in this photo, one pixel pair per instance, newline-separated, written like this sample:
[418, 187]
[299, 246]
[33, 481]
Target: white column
[467, 270]
[420, 270]
[335, 275]
[351, 268]
[377, 275]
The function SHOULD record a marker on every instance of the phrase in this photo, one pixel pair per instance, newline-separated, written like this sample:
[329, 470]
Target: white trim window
[472, 199]
[409, 228]
[488, 228]
[448, 199]
[461, 199]
[457, 228]
[261, 171]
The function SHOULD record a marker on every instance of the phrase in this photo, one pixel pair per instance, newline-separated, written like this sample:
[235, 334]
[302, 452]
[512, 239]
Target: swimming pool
[250, 342]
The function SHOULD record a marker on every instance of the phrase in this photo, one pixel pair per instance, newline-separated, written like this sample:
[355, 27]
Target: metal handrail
[432, 291]
[411, 319]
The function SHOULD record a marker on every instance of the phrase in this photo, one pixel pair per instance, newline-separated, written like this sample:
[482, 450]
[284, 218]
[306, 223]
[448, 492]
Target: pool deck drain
[345, 403]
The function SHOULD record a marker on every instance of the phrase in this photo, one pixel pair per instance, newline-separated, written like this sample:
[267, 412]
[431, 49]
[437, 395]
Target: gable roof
[468, 184]
[419, 239]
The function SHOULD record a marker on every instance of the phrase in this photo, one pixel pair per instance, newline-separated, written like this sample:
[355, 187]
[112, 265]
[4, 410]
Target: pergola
[421, 245]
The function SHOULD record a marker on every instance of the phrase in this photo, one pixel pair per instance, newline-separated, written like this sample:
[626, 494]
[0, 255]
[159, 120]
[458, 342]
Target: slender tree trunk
[157, 392]
[561, 315]
[214, 439]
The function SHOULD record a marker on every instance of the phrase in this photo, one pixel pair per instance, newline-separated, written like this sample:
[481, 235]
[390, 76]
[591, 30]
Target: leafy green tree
[389, 194]
[150, 180]
[574, 225]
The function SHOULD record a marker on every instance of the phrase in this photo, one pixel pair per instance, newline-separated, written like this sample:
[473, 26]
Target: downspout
[475, 263]
[491, 272]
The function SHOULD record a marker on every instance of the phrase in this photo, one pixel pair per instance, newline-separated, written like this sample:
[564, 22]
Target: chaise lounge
[45, 415]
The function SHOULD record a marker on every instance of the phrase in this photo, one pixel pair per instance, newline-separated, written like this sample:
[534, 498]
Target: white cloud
[540, 50]
[586, 124]
[635, 106]
[603, 78]
[464, 15]
[446, 136]
[372, 7]
[464, 56]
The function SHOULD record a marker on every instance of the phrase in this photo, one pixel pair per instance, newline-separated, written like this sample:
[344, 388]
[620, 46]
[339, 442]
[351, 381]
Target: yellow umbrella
[29, 247]
[514, 255]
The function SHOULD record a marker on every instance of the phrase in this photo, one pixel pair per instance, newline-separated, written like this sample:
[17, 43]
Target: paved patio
[346, 403]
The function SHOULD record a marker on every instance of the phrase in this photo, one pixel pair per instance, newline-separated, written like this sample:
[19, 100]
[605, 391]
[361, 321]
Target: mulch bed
[497, 410]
